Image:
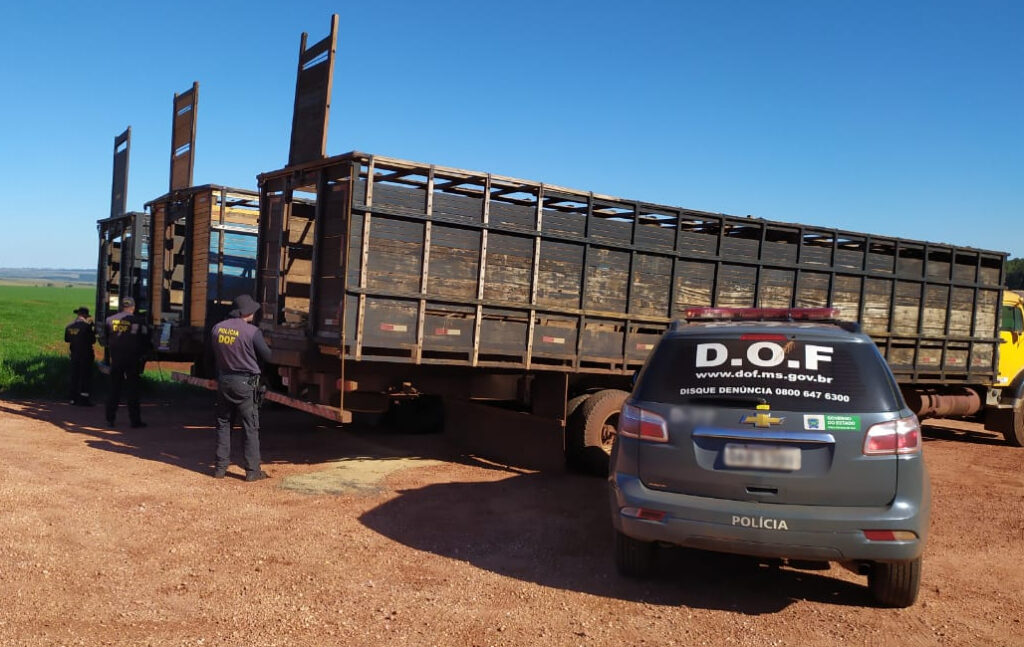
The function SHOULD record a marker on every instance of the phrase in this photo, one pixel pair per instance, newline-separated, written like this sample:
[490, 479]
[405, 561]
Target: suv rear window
[789, 374]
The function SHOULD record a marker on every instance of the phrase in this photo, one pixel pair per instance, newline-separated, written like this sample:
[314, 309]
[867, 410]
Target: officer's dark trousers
[124, 374]
[81, 377]
[236, 398]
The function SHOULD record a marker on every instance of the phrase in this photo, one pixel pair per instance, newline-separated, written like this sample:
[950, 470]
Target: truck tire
[573, 405]
[600, 415]
[574, 433]
[895, 584]
[1013, 429]
[591, 431]
[633, 557]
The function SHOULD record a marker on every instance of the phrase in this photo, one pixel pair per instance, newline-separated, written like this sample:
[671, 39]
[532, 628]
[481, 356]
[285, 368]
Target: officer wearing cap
[238, 348]
[128, 343]
[80, 337]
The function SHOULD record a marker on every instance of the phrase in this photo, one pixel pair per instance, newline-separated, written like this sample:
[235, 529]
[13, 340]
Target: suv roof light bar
[830, 315]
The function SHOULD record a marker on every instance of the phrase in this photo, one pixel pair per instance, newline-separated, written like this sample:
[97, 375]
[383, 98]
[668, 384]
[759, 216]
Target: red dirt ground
[362, 537]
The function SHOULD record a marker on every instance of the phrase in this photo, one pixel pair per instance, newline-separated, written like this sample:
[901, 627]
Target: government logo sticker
[825, 422]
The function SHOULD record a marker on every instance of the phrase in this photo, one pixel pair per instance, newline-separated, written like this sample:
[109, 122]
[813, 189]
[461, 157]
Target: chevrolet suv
[777, 433]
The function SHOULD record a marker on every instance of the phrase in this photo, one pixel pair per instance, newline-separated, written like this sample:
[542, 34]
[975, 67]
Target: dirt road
[121, 537]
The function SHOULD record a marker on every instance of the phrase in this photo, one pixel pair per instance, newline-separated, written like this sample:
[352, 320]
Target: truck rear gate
[124, 244]
[123, 262]
[203, 244]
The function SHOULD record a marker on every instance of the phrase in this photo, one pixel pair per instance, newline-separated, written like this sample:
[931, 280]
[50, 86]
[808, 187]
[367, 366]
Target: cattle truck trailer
[384, 280]
[468, 284]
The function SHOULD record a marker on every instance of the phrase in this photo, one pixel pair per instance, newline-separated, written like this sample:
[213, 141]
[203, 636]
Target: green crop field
[33, 355]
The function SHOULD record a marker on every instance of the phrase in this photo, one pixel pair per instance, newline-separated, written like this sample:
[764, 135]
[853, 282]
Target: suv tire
[895, 584]
[633, 558]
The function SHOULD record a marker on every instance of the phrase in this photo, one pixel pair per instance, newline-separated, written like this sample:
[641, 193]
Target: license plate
[762, 457]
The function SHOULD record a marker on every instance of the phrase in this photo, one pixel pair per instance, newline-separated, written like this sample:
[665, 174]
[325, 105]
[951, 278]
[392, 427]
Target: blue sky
[895, 118]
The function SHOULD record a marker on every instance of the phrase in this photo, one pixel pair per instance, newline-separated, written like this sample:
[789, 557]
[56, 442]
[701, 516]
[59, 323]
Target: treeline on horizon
[1015, 273]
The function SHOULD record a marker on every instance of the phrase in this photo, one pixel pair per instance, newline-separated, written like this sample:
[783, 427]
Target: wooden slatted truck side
[382, 279]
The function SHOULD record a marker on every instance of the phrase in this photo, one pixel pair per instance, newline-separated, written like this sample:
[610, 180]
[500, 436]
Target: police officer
[128, 343]
[238, 347]
[80, 336]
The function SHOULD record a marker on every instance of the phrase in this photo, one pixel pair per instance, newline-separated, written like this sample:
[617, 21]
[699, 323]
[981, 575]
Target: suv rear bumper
[750, 528]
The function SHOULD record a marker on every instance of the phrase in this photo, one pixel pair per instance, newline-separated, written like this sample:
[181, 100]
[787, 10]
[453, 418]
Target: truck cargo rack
[449, 266]
[204, 255]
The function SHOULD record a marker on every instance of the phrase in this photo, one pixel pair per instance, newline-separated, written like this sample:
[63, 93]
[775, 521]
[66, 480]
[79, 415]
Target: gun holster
[259, 390]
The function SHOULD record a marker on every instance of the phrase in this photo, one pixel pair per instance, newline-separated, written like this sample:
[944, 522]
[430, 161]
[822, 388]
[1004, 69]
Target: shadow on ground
[180, 432]
[555, 531]
[546, 528]
[958, 431]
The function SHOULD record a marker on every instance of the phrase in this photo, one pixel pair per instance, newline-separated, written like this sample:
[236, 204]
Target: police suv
[777, 433]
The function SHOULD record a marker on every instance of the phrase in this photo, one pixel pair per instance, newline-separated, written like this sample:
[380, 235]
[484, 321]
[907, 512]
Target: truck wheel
[600, 415]
[1013, 430]
[633, 558]
[895, 584]
[593, 430]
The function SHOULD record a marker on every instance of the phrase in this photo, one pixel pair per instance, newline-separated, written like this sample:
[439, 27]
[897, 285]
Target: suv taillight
[901, 436]
[634, 422]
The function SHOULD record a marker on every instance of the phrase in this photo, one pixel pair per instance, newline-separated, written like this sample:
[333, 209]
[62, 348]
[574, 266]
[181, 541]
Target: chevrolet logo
[763, 417]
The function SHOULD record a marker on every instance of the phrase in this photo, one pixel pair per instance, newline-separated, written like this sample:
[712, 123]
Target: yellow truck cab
[1011, 334]
[1008, 416]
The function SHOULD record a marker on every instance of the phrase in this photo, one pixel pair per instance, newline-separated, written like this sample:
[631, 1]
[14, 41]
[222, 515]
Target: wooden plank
[482, 272]
[651, 282]
[508, 272]
[183, 138]
[559, 274]
[607, 278]
[119, 183]
[156, 262]
[199, 262]
[906, 308]
[312, 100]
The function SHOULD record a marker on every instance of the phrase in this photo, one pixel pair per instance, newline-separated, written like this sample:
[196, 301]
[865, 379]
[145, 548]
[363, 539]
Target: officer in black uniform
[238, 347]
[80, 336]
[128, 342]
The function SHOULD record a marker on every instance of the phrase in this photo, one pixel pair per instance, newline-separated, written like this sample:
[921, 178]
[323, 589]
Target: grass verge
[33, 355]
